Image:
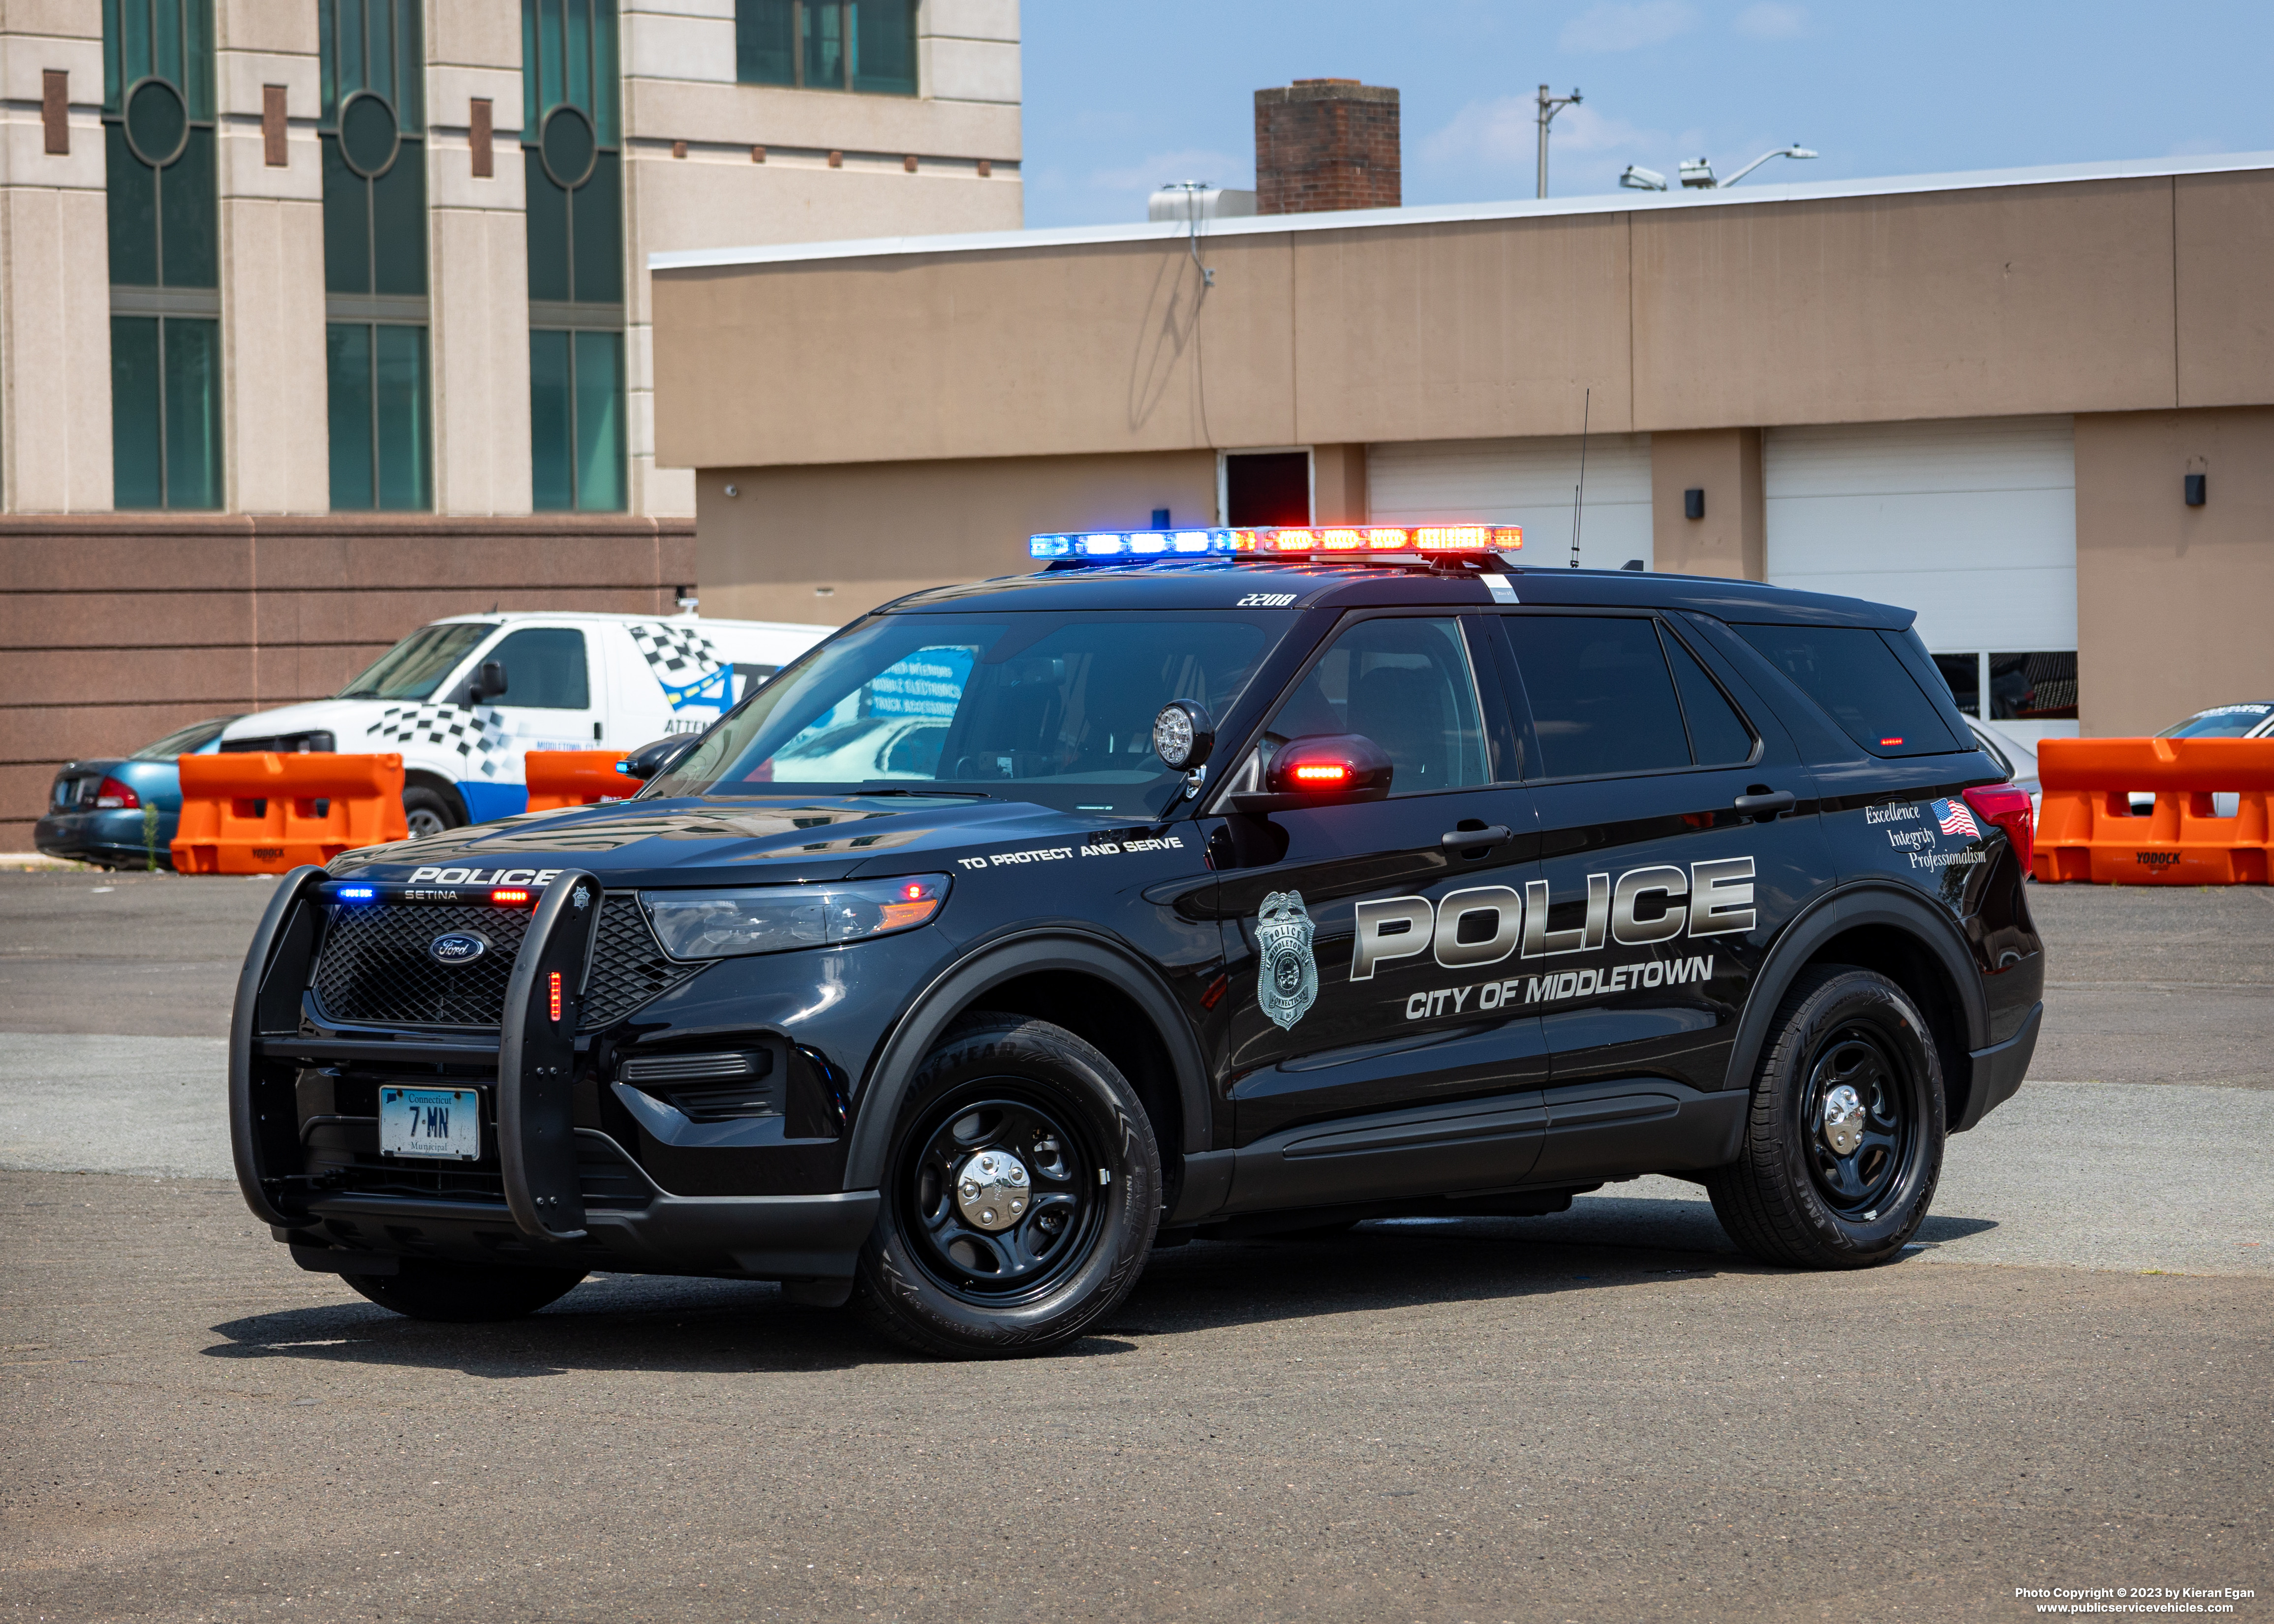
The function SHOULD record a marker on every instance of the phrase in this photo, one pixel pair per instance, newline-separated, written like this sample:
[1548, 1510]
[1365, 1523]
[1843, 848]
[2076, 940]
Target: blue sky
[1120, 97]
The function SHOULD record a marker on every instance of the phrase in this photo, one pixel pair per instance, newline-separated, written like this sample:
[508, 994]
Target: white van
[465, 699]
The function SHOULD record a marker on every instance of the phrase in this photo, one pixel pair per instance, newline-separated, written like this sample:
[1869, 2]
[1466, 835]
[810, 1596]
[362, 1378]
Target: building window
[868, 46]
[165, 298]
[573, 161]
[371, 127]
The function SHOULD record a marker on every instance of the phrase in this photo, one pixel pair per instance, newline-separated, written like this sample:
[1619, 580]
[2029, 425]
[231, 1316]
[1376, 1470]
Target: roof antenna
[1579, 496]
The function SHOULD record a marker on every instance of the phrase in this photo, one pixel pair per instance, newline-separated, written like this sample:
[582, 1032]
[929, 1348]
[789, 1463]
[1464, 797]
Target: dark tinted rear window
[1853, 674]
[1717, 735]
[1602, 701]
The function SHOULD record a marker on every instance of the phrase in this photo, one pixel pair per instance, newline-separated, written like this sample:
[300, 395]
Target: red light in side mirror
[1322, 768]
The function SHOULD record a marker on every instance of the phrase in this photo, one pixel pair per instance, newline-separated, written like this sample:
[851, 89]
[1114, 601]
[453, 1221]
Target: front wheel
[1020, 1196]
[1843, 1147]
[428, 812]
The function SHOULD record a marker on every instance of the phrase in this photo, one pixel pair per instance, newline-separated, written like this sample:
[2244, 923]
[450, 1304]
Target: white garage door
[1526, 482]
[1972, 523]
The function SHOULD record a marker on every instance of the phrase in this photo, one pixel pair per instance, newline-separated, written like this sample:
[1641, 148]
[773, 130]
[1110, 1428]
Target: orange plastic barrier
[264, 813]
[2086, 830]
[559, 778]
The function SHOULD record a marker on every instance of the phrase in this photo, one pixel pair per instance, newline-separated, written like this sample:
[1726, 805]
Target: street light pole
[1549, 106]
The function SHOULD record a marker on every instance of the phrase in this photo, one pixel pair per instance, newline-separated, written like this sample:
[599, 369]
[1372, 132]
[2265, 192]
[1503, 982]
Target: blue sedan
[121, 813]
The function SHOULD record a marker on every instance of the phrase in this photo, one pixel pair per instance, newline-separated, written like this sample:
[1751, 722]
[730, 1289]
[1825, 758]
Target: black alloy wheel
[1864, 1118]
[1844, 1139]
[1021, 1196]
[1002, 1194]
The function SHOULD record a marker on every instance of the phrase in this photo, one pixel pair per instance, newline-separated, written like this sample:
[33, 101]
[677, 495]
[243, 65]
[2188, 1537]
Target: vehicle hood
[738, 840]
[347, 719]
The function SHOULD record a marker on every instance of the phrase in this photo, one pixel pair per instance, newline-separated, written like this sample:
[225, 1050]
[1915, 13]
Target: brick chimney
[1325, 144]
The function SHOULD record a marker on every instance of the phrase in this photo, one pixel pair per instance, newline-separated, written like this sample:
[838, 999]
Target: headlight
[774, 919]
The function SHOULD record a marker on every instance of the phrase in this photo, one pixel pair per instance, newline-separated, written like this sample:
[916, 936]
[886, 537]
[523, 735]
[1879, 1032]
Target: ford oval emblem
[457, 947]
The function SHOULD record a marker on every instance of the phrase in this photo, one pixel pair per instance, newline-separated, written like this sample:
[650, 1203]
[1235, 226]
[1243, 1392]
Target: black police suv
[1024, 926]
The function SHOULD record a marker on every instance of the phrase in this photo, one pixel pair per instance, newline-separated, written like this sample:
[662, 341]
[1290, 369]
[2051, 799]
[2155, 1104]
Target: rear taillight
[2008, 808]
[112, 796]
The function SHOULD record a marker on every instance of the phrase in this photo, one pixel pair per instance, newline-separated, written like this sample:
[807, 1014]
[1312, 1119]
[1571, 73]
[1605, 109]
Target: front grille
[375, 967]
[629, 969]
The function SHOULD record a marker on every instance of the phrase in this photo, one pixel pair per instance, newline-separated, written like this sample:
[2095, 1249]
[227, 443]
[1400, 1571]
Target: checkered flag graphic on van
[684, 664]
[679, 655]
[478, 736]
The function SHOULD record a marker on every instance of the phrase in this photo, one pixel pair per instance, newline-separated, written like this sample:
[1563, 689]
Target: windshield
[183, 740]
[2219, 722]
[415, 667]
[1052, 707]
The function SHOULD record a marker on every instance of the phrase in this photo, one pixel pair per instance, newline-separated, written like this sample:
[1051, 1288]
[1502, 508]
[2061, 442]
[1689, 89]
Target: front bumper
[755, 1236]
[556, 1194]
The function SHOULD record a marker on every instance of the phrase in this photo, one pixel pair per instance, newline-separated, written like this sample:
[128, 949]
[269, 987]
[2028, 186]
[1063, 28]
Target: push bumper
[1998, 1070]
[544, 1219]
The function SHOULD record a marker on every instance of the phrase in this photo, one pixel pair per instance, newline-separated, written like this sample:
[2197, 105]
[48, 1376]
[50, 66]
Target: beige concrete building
[375, 339]
[1977, 394]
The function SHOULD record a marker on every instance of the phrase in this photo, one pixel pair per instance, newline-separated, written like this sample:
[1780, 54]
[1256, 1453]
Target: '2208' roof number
[1266, 600]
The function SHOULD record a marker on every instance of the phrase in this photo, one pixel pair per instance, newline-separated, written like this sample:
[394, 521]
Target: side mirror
[489, 683]
[652, 761]
[1184, 735]
[1324, 770]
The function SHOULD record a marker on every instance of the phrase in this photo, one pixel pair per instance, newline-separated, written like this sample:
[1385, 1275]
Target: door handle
[1496, 834]
[1767, 805]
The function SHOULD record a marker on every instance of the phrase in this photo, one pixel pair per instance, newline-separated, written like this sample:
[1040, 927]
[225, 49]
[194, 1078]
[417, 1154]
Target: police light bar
[1263, 542]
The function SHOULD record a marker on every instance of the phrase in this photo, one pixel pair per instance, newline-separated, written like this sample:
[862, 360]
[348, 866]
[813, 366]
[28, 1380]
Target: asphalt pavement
[1605, 1414]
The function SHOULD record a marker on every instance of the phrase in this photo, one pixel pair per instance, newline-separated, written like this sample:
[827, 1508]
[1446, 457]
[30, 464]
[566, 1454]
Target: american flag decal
[1956, 820]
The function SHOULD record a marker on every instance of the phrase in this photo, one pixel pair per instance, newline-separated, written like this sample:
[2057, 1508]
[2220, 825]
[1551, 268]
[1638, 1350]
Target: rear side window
[1856, 676]
[544, 667]
[1717, 735]
[1602, 699]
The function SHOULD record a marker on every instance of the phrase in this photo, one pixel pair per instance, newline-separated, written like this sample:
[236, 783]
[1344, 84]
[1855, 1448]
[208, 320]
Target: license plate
[444, 1123]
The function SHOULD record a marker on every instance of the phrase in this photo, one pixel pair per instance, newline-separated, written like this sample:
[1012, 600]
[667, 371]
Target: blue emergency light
[1263, 542]
[356, 893]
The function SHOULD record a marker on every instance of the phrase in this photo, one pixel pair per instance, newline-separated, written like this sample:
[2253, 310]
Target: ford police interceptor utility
[462, 701]
[1201, 883]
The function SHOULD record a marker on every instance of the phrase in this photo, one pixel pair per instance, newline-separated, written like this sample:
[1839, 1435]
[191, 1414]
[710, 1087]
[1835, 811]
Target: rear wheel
[1843, 1148]
[1021, 1196]
[428, 811]
[464, 1293]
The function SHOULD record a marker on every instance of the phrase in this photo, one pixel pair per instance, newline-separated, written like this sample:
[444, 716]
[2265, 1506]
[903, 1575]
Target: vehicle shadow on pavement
[666, 1325]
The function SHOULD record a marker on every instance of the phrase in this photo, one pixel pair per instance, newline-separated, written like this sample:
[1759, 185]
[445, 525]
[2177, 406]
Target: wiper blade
[925, 794]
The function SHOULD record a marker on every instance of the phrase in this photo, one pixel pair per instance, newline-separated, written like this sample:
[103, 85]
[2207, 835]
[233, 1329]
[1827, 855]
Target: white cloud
[1613, 27]
[1770, 20]
[1158, 169]
[1505, 133]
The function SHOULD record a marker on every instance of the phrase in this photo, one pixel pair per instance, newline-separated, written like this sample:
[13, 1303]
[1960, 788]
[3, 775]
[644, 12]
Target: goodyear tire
[1843, 1148]
[1020, 1195]
[464, 1293]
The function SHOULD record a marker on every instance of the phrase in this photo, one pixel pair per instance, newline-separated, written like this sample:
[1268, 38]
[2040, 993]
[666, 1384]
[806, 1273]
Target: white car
[2251, 719]
[463, 700]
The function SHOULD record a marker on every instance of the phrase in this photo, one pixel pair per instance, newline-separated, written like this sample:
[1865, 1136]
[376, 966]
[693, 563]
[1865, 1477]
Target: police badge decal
[1287, 982]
